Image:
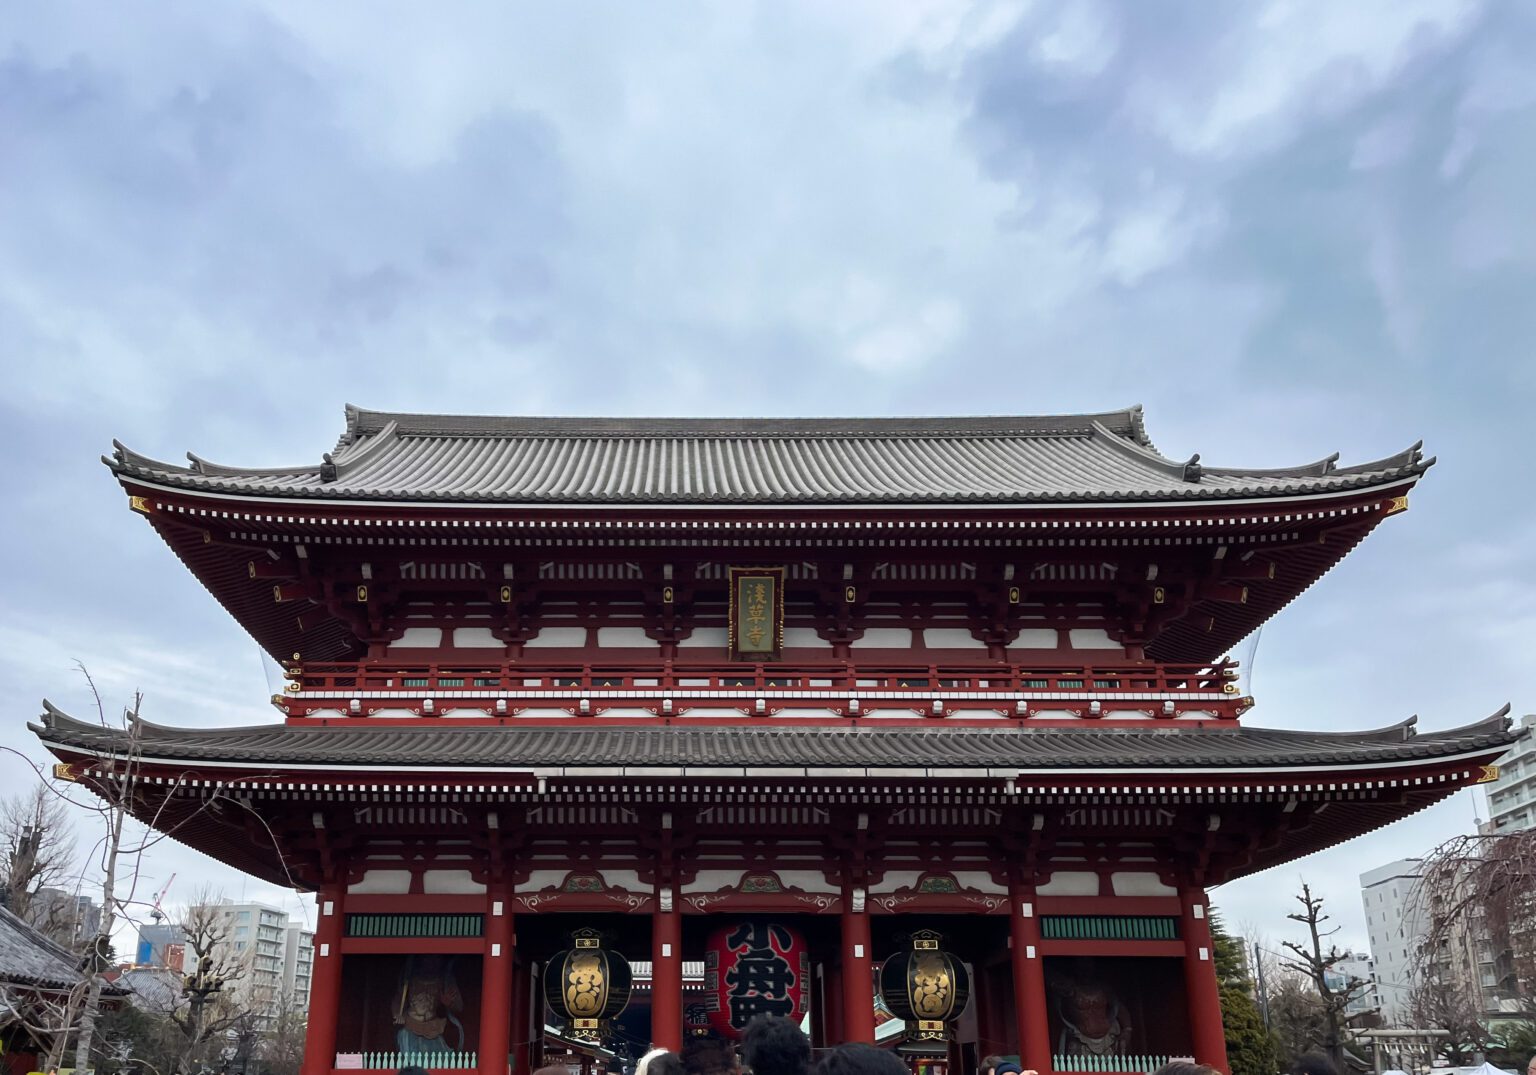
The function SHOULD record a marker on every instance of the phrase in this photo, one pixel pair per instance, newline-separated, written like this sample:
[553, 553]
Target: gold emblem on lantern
[929, 988]
[586, 985]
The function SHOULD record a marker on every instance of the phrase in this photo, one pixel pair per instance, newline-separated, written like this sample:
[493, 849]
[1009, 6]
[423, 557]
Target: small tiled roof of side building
[30, 959]
[376, 746]
[1105, 457]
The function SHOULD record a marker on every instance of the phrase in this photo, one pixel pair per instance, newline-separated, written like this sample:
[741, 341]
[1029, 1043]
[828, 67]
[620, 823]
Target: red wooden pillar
[858, 976]
[325, 983]
[1207, 1038]
[521, 1035]
[1029, 1000]
[666, 973]
[832, 995]
[496, 982]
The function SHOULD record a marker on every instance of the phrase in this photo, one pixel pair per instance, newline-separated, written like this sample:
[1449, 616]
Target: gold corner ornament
[66, 771]
[139, 504]
[1397, 504]
[1490, 774]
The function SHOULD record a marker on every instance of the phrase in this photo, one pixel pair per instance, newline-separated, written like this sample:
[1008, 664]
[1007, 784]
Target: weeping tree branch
[1482, 888]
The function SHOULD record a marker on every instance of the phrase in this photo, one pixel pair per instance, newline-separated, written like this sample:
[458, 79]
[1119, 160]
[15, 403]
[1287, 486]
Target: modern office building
[1397, 929]
[161, 944]
[1512, 797]
[1358, 968]
[298, 962]
[260, 935]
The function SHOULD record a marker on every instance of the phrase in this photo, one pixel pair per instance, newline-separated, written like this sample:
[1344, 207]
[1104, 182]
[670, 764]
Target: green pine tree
[1251, 1048]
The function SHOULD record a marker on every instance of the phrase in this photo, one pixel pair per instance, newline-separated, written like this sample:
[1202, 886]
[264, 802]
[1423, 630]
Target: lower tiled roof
[377, 745]
[29, 958]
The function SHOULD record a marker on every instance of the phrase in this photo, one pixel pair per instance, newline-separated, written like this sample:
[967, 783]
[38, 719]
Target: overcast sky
[1285, 228]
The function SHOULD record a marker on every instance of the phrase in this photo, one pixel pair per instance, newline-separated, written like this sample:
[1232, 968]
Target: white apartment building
[1397, 930]
[1358, 968]
[1512, 797]
[298, 963]
[279, 955]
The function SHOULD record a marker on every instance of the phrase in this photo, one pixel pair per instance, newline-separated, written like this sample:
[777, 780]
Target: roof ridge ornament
[1193, 471]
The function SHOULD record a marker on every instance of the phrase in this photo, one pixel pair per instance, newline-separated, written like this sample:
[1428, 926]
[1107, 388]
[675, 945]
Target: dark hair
[989, 1064]
[774, 1045]
[1184, 1067]
[665, 1064]
[1313, 1064]
[708, 1056]
[412, 1069]
[857, 1058]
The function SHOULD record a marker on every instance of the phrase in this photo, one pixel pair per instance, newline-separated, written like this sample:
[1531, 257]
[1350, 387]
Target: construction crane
[155, 912]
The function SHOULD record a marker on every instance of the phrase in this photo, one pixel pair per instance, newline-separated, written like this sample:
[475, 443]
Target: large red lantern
[752, 968]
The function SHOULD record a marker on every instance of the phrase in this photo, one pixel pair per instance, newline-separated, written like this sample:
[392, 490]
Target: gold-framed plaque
[756, 618]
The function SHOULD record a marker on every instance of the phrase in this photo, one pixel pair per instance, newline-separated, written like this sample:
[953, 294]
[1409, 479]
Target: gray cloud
[1287, 229]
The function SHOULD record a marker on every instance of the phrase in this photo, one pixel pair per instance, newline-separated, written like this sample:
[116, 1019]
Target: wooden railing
[1141, 1063]
[441, 1060]
[847, 688]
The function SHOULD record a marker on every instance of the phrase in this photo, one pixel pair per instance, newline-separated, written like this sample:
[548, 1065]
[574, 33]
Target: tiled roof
[29, 958]
[788, 461]
[377, 746]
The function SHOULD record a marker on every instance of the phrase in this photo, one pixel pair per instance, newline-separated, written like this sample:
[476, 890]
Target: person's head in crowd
[989, 1065]
[665, 1063]
[1313, 1064]
[1184, 1067]
[709, 1056]
[647, 1062]
[774, 1045]
[857, 1058]
[1007, 1067]
[409, 1069]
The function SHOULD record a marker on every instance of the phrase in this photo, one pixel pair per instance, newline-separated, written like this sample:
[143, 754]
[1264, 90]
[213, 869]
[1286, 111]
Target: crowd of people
[773, 1045]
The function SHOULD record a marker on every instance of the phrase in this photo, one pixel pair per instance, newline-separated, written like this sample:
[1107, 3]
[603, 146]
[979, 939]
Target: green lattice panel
[1098, 927]
[415, 925]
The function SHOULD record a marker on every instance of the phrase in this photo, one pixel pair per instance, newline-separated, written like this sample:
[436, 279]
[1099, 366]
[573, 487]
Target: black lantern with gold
[925, 986]
[587, 985]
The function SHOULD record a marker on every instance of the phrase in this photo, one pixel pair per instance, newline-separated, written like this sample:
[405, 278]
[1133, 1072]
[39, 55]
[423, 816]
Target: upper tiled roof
[1043, 459]
[375, 746]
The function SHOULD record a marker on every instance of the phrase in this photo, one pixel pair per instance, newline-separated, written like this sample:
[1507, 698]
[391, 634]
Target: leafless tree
[1451, 1006]
[37, 852]
[282, 1047]
[117, 856]
[48, 1016]
[1484, 887]
[1313, 963]
[210, 1007]
[1295, 1014]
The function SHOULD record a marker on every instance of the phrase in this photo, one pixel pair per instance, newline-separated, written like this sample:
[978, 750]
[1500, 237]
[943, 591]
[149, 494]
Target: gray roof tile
[1040, 459]
[28, 957]
[379, 746]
